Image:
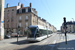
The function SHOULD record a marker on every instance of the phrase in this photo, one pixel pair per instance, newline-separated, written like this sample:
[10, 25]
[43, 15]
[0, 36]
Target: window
[8, 14]
[20, 11]
[26, 23]
[8, 10]
[12, 14]
[23, 10]
[11, 19]
[20, 18]
[26, 9]
[17, 11]
[7, 25]
[34, 18]
[26, 17]
[20, 24]
[12, 9]
[29, 9]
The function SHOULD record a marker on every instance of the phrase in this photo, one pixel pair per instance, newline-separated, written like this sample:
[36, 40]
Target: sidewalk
[8, 42]
[70, 42]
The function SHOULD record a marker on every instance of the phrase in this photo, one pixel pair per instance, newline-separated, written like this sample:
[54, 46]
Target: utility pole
[65, 29]
[1, 19]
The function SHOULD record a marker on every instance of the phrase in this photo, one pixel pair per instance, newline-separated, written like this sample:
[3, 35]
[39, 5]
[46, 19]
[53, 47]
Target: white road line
[54, 42]
[52, 46]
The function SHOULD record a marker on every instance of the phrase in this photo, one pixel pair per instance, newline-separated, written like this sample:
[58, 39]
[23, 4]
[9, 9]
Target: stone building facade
[22, 17]
[70, 27]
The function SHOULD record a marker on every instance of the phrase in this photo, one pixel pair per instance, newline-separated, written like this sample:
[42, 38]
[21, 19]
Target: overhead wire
[45, 7]
[49, 7]
[26, 1]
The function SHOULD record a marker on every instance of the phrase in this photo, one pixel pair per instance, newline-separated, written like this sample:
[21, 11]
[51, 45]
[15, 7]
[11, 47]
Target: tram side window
[43, 32]
[50, 32]
[38, 33]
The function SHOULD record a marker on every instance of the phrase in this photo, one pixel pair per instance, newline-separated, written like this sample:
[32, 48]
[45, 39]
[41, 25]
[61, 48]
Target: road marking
[52, 46]
[54, 42]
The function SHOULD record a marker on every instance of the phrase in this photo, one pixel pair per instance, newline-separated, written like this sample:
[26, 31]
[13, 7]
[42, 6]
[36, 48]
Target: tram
[37, 33]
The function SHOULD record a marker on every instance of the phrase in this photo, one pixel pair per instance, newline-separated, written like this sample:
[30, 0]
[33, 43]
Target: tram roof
[40, 27]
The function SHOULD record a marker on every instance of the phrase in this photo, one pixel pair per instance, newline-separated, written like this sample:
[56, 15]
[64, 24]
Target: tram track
[42, 45]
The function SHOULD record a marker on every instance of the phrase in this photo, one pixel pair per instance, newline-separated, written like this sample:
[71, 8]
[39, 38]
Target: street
[46, 44]
[54, 42]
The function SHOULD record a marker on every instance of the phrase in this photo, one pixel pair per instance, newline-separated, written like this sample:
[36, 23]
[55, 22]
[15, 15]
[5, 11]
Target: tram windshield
[32, 32]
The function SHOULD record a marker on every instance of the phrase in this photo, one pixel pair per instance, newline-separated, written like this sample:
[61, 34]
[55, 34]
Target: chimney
[7, 5]
[30, 4]
[21, 5]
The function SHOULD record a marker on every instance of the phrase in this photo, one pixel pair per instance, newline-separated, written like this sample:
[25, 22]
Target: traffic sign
[2, 21]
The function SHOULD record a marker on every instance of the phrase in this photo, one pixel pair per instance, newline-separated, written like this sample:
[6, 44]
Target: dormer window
[26, 9]
[20, 11]
[23, 10]
[17, 11]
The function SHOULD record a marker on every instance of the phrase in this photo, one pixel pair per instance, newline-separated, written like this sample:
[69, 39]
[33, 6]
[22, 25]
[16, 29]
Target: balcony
[20, 20]
[26, 19]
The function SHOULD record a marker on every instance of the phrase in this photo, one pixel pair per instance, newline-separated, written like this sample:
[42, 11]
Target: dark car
[7, 36]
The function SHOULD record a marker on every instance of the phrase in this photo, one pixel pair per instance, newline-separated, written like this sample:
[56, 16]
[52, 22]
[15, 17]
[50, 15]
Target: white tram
[37, 33]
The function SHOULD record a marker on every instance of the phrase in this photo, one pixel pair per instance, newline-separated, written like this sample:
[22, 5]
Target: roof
[41, 27]
[70, 23]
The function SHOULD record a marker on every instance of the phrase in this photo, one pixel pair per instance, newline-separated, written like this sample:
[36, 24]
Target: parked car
[14, 34]
[72, 32]
[7, 36]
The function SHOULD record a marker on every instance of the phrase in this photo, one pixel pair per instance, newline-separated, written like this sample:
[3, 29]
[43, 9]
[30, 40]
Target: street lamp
[18, 33]
[73, 23]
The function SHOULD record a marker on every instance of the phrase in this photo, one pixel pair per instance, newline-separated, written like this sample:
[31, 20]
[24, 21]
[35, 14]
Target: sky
[52, 10]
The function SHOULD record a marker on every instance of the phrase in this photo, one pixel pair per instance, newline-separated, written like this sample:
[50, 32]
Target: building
[1, 19]
[10, 19]
[70, 27]
[18, 18]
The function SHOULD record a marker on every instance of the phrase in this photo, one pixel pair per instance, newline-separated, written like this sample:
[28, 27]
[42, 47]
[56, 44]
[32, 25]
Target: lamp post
[18, 33]
[73, 23]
